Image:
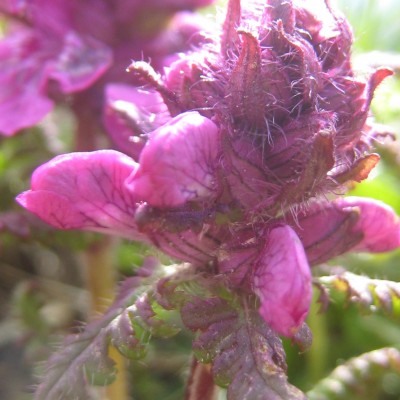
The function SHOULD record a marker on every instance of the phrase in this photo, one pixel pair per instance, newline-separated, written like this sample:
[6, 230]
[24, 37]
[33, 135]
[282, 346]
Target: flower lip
[282, 281]
[178, 163]
[85, 191]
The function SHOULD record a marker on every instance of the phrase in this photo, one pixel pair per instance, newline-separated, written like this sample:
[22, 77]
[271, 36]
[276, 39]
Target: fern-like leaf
[370, 294]
[83, 359]
[247, 356]
[356, 378]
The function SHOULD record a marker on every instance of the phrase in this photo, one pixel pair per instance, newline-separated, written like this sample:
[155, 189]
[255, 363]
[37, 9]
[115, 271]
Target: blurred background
[43, 290]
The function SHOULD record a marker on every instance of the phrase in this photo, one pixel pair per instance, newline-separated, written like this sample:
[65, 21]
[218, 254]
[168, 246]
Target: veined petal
[348, 224]
[282, 281]
[85, 191]
[378, 223]
[178, 163]
[326, 231]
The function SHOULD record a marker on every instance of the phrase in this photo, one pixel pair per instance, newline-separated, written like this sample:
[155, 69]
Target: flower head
[258, 128]
[280, 85]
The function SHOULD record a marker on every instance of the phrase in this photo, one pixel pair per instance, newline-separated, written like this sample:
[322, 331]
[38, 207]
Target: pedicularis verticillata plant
[243, 146]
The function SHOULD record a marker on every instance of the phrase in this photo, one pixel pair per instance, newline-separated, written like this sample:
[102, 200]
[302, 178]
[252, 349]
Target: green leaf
[128, 325]
[358, 377]
[370, 295]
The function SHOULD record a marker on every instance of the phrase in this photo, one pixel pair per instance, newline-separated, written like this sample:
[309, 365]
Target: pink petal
[23, 102]
[349, 224]
[80, 63]
[378, 223]
[178, 163]
[326, 231]
[85, 191]
[130, 113]
[282, 281]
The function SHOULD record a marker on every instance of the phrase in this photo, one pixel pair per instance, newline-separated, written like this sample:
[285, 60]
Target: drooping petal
[282, 281]
[378, 223]
[348, 224]
[30, 61]
[23, 101]
[85, 191]
[130, 114]
[178, 164]
[326, 231]
[80, 63]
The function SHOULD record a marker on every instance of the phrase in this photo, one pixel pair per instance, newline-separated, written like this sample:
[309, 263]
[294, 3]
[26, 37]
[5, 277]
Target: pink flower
[233, 175]
[93, 191]
[57, 48]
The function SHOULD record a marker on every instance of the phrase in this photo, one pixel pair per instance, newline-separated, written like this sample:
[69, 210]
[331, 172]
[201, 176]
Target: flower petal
[378, 223]
[178, 164]
[130, 113]
[85, 191]
[79, 63]
[282, 281]
[326, 231]
[23, 101]
[348, 224]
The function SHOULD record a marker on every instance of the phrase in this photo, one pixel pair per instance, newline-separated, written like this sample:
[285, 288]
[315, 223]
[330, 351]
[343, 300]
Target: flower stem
[88, 129]
[101, 283]
[200, 385]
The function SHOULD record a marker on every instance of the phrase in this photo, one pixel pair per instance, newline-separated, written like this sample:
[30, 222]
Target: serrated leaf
[370, 294]
[83, 359]
[247, 356]
[355, 378]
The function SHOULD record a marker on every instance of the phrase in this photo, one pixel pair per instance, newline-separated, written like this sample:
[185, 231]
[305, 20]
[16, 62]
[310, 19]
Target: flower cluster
[242, 145]
[70, 51]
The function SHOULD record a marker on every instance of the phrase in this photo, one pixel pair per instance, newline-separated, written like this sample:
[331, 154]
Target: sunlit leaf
[370, 294]
[357, 377]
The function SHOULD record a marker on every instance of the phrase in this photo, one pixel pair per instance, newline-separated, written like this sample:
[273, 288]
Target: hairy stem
[200, 385]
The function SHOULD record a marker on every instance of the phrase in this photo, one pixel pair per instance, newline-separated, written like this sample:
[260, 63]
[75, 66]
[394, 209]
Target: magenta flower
[238, 164]
[58, 48]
